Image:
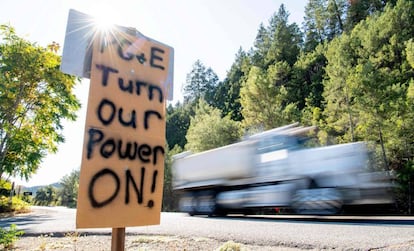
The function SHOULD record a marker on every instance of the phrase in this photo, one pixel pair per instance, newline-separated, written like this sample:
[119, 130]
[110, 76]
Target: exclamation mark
[154, 181]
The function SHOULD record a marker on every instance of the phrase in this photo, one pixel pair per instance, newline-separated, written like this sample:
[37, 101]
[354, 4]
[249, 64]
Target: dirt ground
[73, 241]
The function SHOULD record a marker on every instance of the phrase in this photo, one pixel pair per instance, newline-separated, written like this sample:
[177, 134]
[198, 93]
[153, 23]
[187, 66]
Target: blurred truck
[274, 169]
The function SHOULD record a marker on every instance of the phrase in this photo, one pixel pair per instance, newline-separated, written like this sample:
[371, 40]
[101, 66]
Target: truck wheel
[322, 201]
[206, 204]
[187, 203]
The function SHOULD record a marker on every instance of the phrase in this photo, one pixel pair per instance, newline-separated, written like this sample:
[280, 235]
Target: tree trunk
[384, 155]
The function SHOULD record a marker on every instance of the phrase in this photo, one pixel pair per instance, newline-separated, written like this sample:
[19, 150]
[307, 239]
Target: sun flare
[103, 24]
[104, 18]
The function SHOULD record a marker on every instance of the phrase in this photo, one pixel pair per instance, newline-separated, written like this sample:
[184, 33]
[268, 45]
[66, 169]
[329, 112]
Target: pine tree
[286, 39]
[231, 86]
[201, 82]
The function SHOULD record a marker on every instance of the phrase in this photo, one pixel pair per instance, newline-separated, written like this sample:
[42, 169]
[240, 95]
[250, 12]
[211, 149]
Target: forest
[348, 69]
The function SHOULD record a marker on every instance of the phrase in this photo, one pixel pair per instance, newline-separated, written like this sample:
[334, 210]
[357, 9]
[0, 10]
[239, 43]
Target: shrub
[19, 205]
[10, 236]
[231, 246]
[16, 206]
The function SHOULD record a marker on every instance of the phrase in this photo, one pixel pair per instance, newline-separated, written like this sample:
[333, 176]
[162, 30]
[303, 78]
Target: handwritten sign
[122, 170]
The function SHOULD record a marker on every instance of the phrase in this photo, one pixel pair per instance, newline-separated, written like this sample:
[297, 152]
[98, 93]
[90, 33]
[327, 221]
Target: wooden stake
[118, 239]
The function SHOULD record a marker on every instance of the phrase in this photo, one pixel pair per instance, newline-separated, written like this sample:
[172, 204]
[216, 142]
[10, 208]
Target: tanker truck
[274, 169]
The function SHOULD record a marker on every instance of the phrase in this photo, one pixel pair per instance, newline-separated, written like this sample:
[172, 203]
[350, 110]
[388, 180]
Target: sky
[211, 31]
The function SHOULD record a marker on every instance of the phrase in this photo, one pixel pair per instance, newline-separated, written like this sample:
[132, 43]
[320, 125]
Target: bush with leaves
[9, 236]
[15, 205]
[209, 130]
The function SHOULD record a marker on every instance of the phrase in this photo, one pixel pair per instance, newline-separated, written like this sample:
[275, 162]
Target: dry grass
[78, 242]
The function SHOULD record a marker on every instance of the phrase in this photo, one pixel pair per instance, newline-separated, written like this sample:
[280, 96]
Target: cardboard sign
[122, 170]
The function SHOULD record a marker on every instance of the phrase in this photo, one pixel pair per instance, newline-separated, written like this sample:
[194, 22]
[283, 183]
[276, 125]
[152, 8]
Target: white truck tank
[229, 162]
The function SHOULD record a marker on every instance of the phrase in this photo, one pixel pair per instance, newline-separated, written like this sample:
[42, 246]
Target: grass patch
[231, 246]
[154, 239]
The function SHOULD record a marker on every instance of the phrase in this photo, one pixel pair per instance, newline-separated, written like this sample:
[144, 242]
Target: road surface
[302, 232]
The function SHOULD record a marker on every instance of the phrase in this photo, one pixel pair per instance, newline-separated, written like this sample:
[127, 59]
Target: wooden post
[118, 239]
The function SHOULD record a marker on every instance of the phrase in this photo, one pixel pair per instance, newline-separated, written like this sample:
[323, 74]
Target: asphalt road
[302, 232]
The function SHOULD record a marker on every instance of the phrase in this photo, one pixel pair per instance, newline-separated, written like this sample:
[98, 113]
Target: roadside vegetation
[10, 205]
[8, 237]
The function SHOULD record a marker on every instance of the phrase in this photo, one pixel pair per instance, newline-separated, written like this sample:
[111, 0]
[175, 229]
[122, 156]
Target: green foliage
[409, 50]
[285, 39]
[68, 192]
[178, 121]
[360, 10]
[230, 87]
[200, 83]
[169, 199]
[35, 97]
[5, 187]
[46, 196]
[323, 21]
[27, 198]
[19, 205]
[209, 130]
[326, 19]
[264, 97]
[368, 82]
[15, 205]
[268, 95]
[9, 236]
[4, 184]
[405, 181]
[306, 86]
[338, 90]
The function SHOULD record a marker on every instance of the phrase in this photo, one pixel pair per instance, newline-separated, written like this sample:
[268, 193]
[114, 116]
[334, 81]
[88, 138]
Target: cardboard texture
[122, 170]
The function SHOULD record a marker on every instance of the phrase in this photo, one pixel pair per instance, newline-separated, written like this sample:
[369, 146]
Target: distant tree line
[64, 194]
